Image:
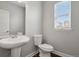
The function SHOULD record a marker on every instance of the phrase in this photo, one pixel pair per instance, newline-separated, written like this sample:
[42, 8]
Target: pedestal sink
[14, 44]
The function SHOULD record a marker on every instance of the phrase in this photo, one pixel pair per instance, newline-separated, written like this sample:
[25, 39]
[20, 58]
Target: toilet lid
[46, 46]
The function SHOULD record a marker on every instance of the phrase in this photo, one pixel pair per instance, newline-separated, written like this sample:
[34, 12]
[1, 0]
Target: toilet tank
[37, 39]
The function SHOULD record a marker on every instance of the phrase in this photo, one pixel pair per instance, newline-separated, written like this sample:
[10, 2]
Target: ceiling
[22, 3]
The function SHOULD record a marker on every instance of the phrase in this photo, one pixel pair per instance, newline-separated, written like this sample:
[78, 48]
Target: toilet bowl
[44, 49]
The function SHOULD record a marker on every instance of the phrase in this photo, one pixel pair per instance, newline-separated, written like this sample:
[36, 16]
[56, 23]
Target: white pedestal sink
[14, 44]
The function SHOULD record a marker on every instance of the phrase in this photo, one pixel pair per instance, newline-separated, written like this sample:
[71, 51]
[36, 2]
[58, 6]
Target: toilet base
[44, 54]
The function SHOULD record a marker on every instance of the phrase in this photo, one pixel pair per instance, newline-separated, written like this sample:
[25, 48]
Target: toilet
[44, 48]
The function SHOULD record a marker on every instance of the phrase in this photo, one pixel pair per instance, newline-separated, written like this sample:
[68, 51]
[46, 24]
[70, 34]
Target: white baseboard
[61, 54]
[55, 52]
[32, 54]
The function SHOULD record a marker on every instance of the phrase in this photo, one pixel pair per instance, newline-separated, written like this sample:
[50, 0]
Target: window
[62, 15]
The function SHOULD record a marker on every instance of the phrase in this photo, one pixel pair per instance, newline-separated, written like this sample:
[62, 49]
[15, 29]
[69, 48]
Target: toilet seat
[46, 47]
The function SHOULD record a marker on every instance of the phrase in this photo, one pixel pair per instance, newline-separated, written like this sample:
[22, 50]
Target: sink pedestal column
[15, 52]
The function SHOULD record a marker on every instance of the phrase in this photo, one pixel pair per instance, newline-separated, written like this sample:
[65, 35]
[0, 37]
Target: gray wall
[33, 25]
[63, 41]
[17, 16]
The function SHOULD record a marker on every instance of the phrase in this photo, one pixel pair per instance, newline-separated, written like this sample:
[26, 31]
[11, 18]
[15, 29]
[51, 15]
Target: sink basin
[9, 43]
[14, 44]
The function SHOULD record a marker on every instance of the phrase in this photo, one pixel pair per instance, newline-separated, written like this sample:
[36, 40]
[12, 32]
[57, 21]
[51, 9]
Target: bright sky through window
[63, 15]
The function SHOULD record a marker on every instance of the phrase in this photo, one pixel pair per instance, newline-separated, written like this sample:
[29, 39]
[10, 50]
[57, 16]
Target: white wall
[17, 20]
[63, 41]
[33, 18]
[33, 24]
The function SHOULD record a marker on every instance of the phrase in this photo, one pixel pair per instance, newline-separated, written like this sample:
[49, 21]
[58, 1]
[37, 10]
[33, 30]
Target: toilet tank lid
[47, 46]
